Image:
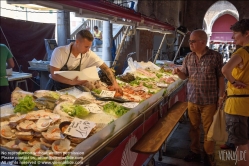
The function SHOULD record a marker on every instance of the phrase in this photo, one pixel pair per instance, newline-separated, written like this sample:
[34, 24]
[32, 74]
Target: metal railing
[88, 24]
[92, 23]
[118, 38]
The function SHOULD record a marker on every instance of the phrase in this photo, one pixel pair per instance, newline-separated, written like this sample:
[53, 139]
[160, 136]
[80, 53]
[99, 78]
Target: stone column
[63, 27]
[107, 43]
[208, 38]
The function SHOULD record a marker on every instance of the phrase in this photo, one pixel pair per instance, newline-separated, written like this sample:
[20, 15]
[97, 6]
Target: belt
[237, 96]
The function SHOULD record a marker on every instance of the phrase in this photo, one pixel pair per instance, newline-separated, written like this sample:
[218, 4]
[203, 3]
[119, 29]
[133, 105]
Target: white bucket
[9, 72]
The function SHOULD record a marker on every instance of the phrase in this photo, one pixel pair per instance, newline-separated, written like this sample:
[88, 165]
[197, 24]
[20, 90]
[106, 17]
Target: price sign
[162, 85]
[80, 128]
[93, 108]
[142, 88]
[130, 104]
[107, 93]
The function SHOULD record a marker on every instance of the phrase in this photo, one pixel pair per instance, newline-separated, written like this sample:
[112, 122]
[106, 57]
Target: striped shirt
[203, 75]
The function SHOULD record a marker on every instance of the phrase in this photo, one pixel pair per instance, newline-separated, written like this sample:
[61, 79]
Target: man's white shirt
[60, 55]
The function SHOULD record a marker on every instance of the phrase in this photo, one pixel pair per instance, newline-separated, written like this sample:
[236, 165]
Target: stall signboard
[130, 104]
[107, 93]
[93, 108]
[80, 128]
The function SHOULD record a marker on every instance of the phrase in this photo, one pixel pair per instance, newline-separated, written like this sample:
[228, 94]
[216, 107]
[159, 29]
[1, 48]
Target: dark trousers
[4, 94]
[55, 85]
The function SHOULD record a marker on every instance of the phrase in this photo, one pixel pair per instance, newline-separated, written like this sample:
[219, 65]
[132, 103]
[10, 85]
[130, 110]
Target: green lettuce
[75, 110]
[159, 75]
[148, 85]
[25, 105]
[80, 111]
[98, 91]
[115, 109]
[55, 95]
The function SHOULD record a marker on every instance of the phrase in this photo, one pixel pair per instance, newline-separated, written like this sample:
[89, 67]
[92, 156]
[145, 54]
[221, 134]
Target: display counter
[111, 145]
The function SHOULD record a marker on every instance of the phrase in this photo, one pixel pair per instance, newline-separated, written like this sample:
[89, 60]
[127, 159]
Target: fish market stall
[92, 124]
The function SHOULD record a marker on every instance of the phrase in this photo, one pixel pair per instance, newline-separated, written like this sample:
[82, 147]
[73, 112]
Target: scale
[50, 45]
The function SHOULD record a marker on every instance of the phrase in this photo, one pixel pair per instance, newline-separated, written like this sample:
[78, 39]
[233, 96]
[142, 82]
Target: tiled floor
[178, 147]
[169, 161]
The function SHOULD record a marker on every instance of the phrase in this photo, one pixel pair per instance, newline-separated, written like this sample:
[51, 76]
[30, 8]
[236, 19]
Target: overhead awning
[102, 8]
[108, 8]
[221, 37]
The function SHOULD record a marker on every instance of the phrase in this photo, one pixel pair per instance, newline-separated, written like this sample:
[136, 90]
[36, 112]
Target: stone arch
[232, 13]
[205, 25]
[218, 9]
[215, 11]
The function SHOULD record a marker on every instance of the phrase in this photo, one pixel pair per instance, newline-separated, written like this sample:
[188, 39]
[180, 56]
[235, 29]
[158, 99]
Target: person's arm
[220, 76]
[64, 80]
[109, 73]
[10, 63]
[111, 76]
[227, 71]
[221, 82]
[183, 73]
[180, 74]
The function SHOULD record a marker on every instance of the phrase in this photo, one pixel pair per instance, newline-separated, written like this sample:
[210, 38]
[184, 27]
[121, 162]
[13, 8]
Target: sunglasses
[193, 41]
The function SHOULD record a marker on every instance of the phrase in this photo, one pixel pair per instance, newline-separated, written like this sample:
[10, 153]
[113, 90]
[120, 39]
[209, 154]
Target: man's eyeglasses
[193, 41]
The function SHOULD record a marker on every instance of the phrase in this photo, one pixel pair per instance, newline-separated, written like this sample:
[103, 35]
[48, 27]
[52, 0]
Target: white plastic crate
[39, 64]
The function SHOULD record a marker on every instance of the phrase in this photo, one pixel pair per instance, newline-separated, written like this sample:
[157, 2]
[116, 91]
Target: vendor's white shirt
[60, 55]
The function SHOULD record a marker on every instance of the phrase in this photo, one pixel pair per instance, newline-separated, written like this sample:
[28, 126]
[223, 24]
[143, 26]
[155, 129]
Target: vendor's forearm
[108, 73]
[61, 79]
[111, 76]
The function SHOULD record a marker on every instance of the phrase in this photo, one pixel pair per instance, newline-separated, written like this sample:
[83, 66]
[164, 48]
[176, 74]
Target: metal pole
[179, 48]
[107, 43]
[159, 49]
[120, 46]
[26, 14]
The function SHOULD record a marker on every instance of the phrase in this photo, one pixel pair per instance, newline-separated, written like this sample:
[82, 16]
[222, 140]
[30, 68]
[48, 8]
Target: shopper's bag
[217, 130]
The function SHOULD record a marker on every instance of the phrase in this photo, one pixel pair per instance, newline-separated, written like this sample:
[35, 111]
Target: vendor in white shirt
[75, 57]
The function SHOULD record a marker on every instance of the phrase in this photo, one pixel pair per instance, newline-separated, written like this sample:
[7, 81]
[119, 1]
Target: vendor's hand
[116, 87]
[239, 84]
[75, 81]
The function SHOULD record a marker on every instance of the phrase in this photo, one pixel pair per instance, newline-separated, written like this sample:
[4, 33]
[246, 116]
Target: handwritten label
[80, 128]
[106, 93]
[130, 104]
[93, 108]
[142, 88]
[162, 85]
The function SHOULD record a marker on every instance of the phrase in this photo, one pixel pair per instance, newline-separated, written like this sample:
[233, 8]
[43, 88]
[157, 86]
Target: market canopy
[102, 9]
